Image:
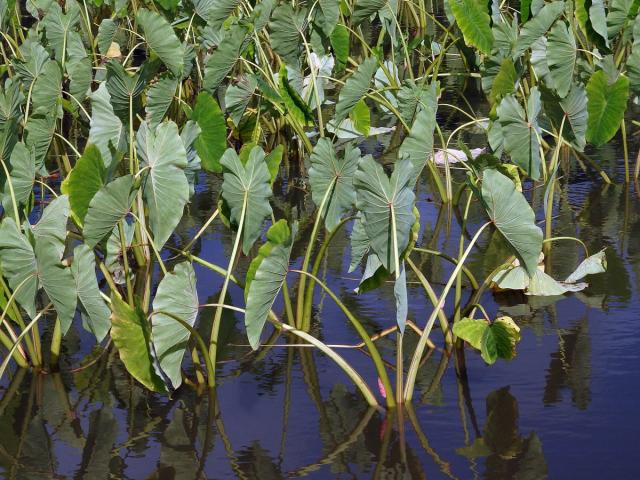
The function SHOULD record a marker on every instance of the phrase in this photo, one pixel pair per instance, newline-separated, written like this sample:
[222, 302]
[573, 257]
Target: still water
[565, 407]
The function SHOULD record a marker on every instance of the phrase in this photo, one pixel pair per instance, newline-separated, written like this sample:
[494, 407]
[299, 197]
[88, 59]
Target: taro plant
[111, 113]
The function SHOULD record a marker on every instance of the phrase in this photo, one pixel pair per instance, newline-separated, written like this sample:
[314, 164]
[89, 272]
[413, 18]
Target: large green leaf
[159, 98]
[513, 217]
[107, 131]
[84, 180]
[561, 58]
[107, 31]
[125, 89]
[166, 188]
[472, 17]
[520, 130]
[355, 88]
[131, 334]
[360, 243]
[107, 208]
[47, 89]
[177, 296]
[222, 60]
[494, 340]
[22, 171]
[218, 11]
[574, 106]
[606, 107]
[162, 40]
[387, 208]
[80, 74]
[537, 27]
[247, 188]
[18, 262]
[418, 145]
[94, 310]
[363, 9]
[278, 234]
[287, 28]
[332, 177]
[238, 95]
[269, 277]
[34, 58]
[38, 135]
[59, 25]
[212, 141]
[52, 225]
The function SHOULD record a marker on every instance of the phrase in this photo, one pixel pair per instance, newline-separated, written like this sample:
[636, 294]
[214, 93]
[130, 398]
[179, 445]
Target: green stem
[417, 355]
[56, 341]
[373, 351]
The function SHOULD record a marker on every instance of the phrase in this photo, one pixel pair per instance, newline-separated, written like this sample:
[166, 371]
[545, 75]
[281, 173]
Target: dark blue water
[565, 407]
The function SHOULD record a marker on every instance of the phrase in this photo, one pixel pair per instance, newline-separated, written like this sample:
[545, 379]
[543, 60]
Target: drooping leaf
[331, 180]
[18, 263]
[361, 118]
[166, 189]
[84, 180]
[219, 11]
[513, 217]
[265, 286]
[402, 302]
[330, 15]
[124, 89]
[574, 106]
[504, 83]
[521, 130]
[222, 60]
[159, 98]
[162, 40]
[94, 310]
[189, 134]
[598, 20]
[238, 95]
[212, 141]
[340, 44]
[106, 34]
[131, 334]
[296, 106]
[537, 27]
[107, 207]
[38, 135]
[387, 208]
[360, 243]
[355, 88]
[590, 266]
[80, 75]
[47, 88]
[247, 188]
[363, 9]
[494, 340]
[34, 58]
[273, 161]
[561, 58]
[606, 107]
[473, 20]
[22, 172]
[418, 145]
[176, 295]
[107, 131]
[287, 27]
[278, 234]
[52, 225]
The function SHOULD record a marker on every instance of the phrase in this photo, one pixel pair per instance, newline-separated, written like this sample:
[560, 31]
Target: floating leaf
[494, 340]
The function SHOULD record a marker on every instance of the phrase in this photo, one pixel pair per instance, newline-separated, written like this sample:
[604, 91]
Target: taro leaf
[59, 25]
[56, 280]
[11, 101]
[606, 107]
[473, 20]
[278, 234]
[38, 136]
[80, 75]
[162, 40]
[363, 9]
[513, 217]
[107, 207]
[575, 108]
[166, 188]
[340, 44]
[18, 263]
[222, 60]
[330, 15]
[387, 208]
[418, 145]
[34, 58]
[355, 88]
[591, 265]
[95, 313]
[273, 161]
[176, 295]
[106, 34]
[125, 89]
[373, 276]
[238, 95]
[561, 58]
[586, 20]
[189, 134]
[521, 130]
[52, 225]
[331, 180]
[218, 11]
[246, 189]
[297, 107]
[265, 286]
[402, 304]
[47, 88]
[360, 243]
[633, 68]
[131, 335]
[85, 179]
[159, 98]
[287, 28]
[212, 141]
[360, 116]
[107, 131]
[537, 27]
[23, 172]
[495, 340]
[504, 83]
[621, 12]
[411, 98]
[598, 20]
